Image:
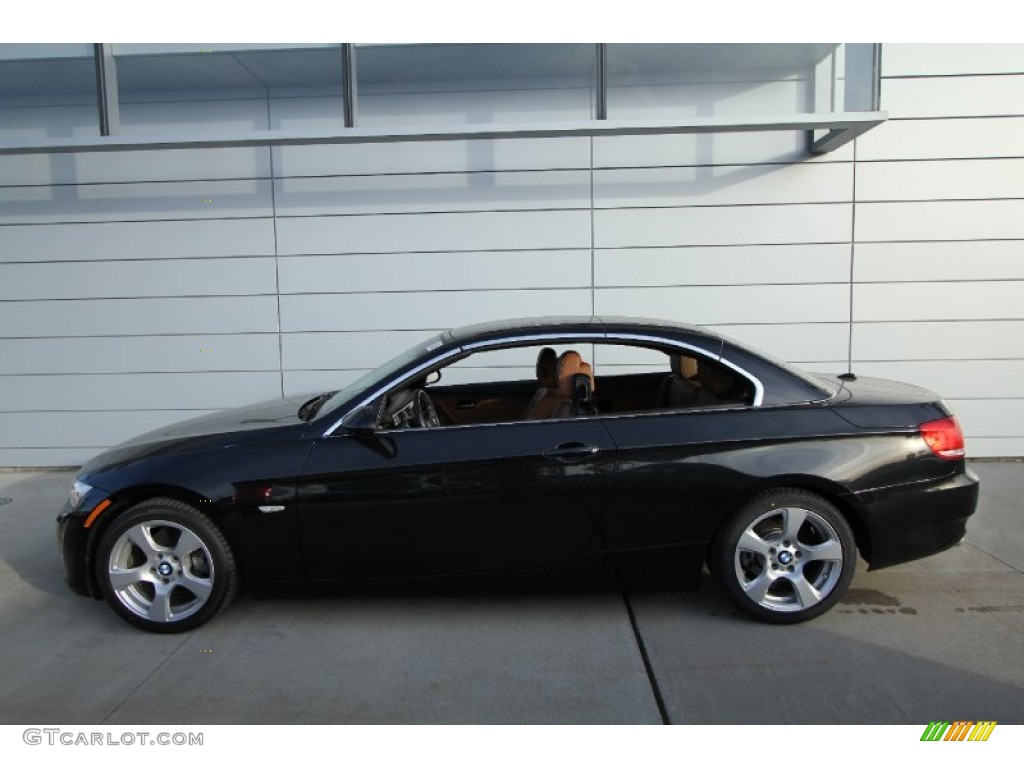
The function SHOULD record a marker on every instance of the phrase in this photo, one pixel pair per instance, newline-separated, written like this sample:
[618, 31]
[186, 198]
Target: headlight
[78, 490]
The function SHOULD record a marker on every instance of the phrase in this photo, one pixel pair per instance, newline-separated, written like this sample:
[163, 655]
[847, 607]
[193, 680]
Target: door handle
[571, 452]
[465, 405]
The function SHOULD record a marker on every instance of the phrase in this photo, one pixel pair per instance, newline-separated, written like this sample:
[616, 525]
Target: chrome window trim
[596, 337]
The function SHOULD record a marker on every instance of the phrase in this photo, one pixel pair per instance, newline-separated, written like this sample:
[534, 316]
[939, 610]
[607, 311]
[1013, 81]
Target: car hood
[216, 430]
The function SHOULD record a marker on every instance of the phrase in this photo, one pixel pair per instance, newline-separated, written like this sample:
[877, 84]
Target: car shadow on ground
[28, 546]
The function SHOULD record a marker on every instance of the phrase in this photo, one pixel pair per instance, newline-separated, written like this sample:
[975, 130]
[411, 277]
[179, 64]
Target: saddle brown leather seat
[556, 403]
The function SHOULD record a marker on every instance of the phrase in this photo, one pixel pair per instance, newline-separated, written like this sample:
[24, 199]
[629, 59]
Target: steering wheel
[423, 412]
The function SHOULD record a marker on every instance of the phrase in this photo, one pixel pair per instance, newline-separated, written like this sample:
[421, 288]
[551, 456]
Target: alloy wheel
[788, 559]
[161, 571]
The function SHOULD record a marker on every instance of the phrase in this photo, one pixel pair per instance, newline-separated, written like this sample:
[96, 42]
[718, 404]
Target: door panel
[661, 493]
[485, 403]
[453, 499]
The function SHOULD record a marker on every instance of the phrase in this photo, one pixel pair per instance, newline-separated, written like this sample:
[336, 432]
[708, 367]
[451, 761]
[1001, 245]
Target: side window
[498, 386]
[632, 379]
[561, 381]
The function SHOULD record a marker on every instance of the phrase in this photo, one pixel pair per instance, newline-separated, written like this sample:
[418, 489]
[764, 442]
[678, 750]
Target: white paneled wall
[443, 157]
[124, 167]
[722, 225]
[448, 271]
[938, 292]
[710, 265]
[198, 238]
[932, 139]
[141, 288]
[433, 232]
[933, 60]
[135, 202]
[958, 96]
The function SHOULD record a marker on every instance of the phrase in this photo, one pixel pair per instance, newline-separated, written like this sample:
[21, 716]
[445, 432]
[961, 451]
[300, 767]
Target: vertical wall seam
[593, 299]
[277, 264]
[853, 254]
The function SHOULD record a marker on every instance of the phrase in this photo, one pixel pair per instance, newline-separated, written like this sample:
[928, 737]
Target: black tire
[787, 556]
[165, 567]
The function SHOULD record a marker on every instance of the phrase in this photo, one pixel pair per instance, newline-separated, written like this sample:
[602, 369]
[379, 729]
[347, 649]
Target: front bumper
[72, 541]
[908, 522]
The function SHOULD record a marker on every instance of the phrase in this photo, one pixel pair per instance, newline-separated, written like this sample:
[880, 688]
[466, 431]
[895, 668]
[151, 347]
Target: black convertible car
[635, 443]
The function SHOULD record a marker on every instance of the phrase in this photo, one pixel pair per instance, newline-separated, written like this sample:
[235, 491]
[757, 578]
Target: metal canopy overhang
[841, 126]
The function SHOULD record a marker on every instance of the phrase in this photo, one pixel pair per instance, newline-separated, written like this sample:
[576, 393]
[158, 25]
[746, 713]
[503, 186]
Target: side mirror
[362, 421]
[362, 424]
[433, 378]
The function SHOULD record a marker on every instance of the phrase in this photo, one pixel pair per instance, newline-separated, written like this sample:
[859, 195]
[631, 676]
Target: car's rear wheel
[787, 556]
[165, 567]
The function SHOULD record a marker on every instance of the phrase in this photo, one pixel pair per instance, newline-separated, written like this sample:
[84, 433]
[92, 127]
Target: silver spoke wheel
[161, 570]
[788, 559]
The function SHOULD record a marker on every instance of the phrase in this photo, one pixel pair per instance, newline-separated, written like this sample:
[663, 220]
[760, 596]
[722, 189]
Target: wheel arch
[834, 493]
[125, 499]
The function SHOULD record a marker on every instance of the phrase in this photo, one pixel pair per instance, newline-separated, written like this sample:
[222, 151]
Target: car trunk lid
[874, 403]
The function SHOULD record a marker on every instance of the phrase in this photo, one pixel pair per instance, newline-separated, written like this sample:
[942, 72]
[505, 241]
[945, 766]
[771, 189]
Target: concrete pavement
[939, 638]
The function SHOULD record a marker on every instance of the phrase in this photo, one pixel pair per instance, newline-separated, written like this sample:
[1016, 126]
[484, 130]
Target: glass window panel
[454, 84]
[859, 74]
[661, 81]
[47, 91]
[205, 88]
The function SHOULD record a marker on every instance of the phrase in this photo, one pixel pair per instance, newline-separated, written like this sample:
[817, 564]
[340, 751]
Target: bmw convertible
[631, 446]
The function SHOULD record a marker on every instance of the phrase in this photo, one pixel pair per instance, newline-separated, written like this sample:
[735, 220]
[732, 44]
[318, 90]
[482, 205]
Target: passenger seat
[681, 389]
[720, 386]
[556, 403]
[547, 379]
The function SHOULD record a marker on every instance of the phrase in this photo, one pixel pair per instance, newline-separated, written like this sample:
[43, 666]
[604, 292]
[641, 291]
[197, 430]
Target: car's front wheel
[787, 556]
[165, 567]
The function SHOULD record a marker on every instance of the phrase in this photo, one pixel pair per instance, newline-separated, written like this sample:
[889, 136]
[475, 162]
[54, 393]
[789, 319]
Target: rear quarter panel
[681, 475]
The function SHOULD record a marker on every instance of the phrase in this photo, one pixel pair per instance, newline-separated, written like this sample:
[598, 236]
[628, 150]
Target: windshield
[377, 376]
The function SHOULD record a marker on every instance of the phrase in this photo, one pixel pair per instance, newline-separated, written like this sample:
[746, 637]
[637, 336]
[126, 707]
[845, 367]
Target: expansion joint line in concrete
[655, 688]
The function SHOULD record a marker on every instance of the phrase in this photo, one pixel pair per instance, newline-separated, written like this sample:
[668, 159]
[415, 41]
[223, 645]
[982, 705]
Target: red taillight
[944, 438]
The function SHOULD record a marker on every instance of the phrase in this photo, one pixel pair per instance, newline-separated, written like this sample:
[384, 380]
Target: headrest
[689, 367]
[547, 368]
[683, 365]
[568, 366]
